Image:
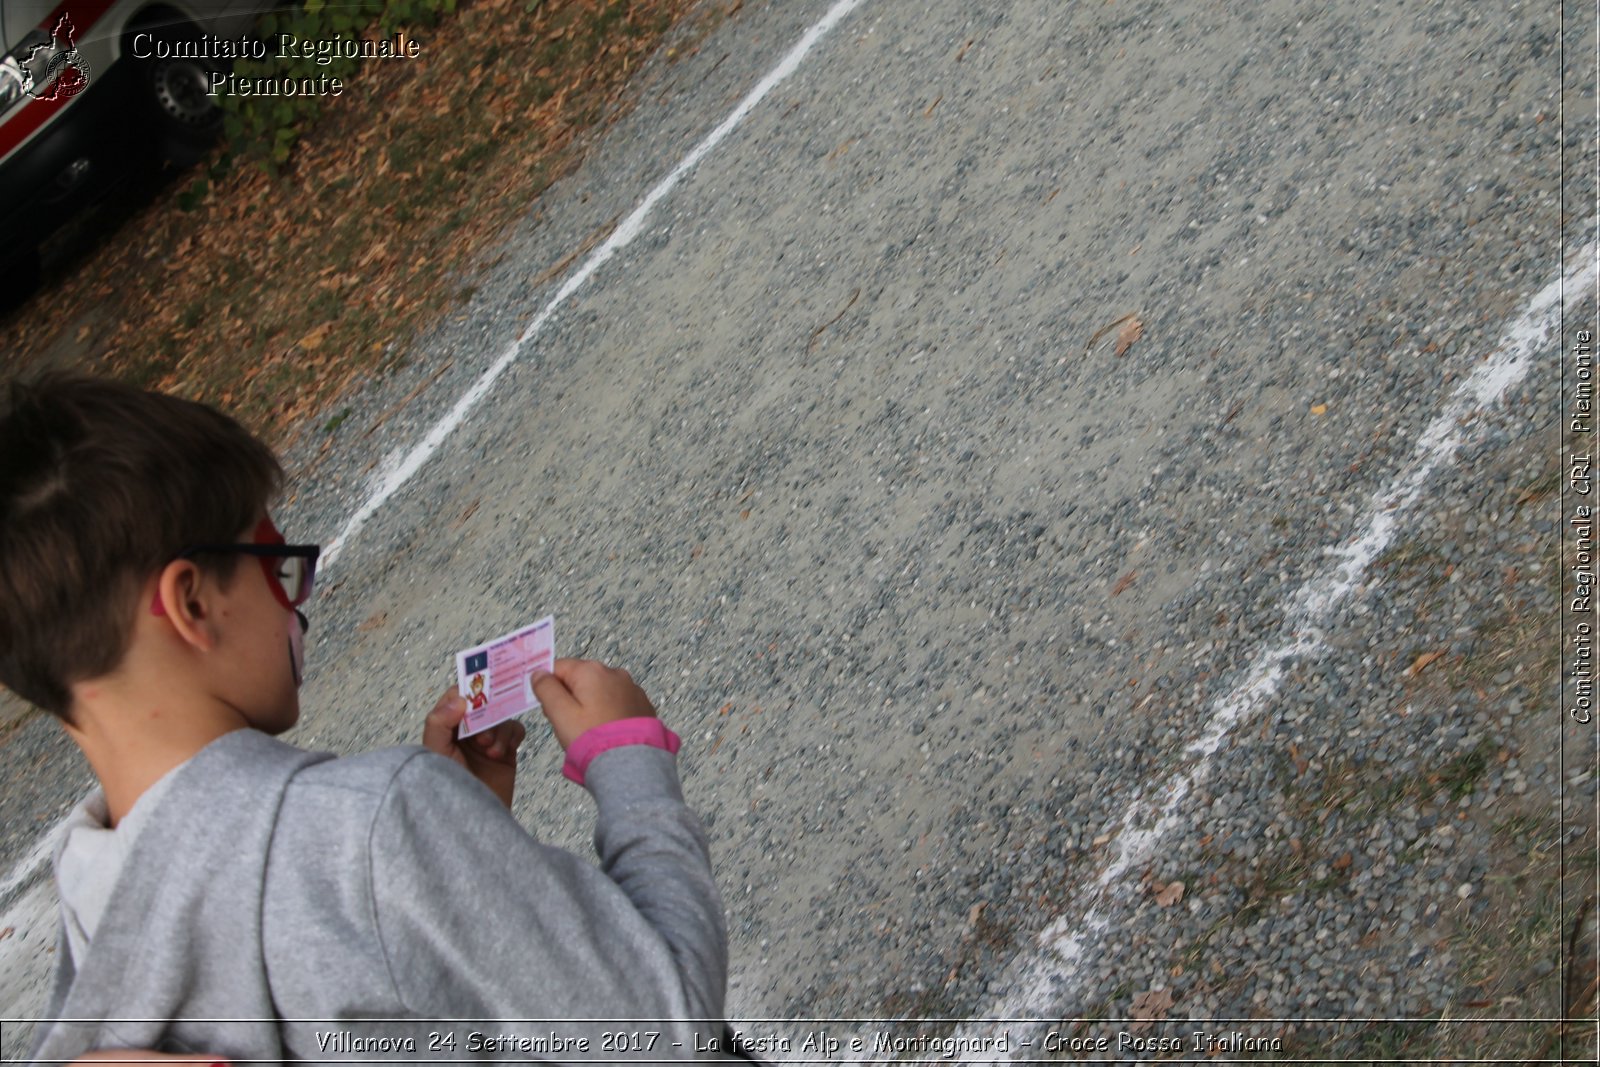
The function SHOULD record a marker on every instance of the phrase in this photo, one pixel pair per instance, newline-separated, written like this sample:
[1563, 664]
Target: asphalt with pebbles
[932, 592]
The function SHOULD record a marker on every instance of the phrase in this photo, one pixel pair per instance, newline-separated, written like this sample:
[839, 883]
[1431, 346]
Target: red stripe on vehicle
[26, 120]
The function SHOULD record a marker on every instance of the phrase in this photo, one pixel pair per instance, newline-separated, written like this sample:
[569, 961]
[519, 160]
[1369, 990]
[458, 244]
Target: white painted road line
[395, 475]
[1065, 944]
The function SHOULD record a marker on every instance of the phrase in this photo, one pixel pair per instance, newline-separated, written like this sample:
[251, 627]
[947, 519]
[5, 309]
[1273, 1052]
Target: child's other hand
[583, 694]
[491, 756]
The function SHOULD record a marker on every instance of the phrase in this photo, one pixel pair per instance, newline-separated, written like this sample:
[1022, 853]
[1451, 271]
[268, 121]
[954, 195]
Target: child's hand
[491, 756]
[583, 694]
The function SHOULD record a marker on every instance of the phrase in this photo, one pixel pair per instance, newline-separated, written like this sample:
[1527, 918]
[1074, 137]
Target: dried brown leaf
[377, 250]
[1131, 331]
[1423, 661]
[313, 340]
[1169, 894]
[1102, 331]
[1150, 1006]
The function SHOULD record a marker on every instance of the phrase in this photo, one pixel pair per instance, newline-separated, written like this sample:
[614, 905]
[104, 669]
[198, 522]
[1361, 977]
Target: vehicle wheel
[177, 91]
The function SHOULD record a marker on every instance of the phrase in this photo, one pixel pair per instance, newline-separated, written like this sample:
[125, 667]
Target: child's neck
[133, 741]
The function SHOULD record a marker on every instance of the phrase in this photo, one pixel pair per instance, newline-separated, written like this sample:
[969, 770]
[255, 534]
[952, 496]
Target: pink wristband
[644, 730]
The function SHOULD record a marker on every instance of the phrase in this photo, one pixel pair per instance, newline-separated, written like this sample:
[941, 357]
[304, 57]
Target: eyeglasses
[290, 569]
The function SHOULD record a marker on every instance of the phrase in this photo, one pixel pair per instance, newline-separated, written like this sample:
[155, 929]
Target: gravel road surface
[941, 594]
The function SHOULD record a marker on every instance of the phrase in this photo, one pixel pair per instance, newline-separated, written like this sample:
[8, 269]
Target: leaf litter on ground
[274, 295]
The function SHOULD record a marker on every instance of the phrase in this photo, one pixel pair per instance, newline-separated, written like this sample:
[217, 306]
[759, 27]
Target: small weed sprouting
[1459, 777]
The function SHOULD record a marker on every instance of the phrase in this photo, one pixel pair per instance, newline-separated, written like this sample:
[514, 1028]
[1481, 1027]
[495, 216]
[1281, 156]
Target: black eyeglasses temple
[271, 551]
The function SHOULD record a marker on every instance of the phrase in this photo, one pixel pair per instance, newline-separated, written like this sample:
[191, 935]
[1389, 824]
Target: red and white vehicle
[89, 89]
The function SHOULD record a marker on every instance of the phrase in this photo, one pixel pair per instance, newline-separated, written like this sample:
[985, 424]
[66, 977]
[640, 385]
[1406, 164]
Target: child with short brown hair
[228, 894]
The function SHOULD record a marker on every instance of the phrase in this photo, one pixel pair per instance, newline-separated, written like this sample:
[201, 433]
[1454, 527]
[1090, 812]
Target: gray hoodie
[279, 904]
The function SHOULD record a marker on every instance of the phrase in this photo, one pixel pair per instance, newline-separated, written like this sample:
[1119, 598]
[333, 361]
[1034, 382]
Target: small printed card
[496, 677]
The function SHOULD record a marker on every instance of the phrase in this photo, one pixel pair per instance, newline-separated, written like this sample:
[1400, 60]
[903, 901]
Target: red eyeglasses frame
[267, 546]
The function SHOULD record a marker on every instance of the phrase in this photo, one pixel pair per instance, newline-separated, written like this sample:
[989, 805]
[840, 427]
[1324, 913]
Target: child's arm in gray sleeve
[477, 919]
[654, 848]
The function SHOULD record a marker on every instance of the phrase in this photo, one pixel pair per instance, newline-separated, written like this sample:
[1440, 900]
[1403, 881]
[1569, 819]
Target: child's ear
[183, 589]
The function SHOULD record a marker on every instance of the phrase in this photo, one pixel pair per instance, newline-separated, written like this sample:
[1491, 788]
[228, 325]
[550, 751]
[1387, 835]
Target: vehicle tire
[176, 92]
